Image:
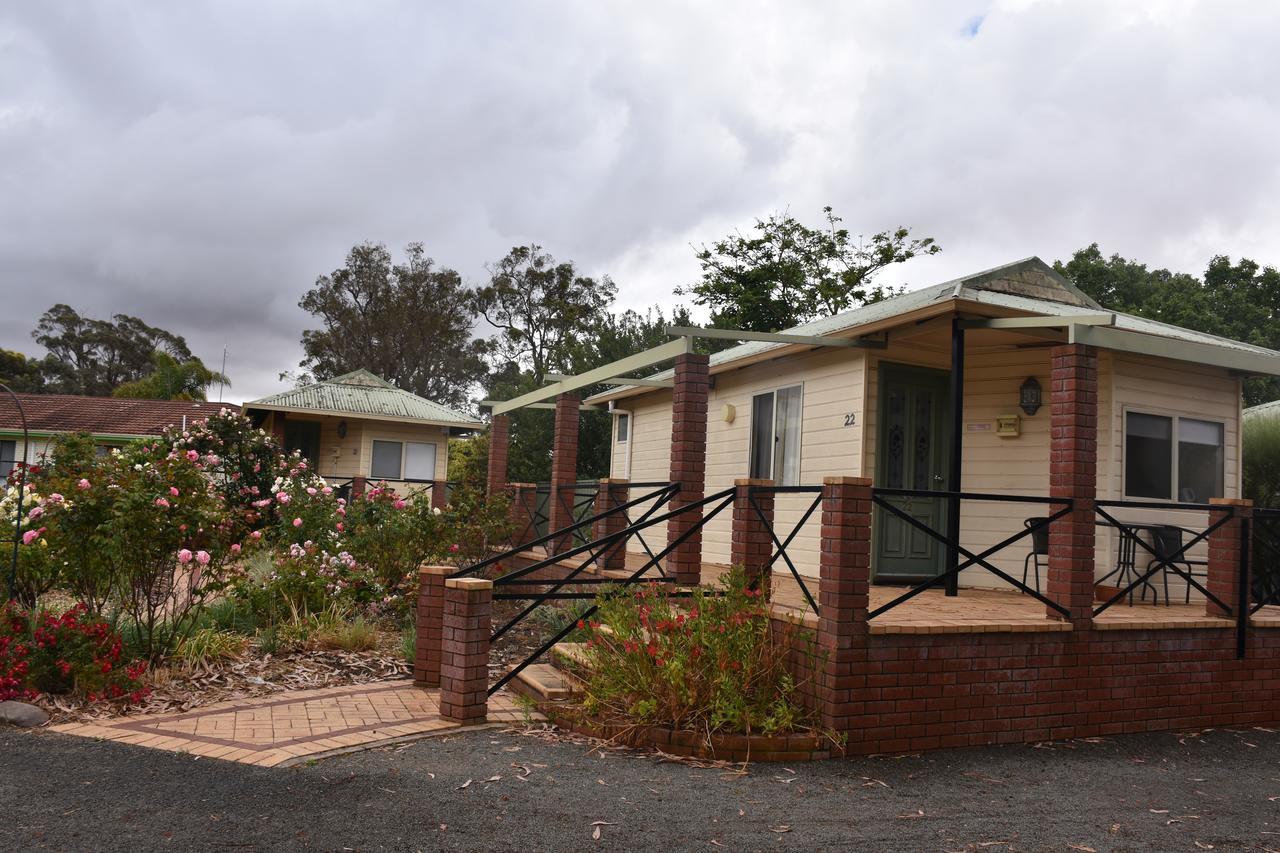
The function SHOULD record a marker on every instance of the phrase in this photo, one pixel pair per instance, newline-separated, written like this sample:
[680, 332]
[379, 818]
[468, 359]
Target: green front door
[912, 452]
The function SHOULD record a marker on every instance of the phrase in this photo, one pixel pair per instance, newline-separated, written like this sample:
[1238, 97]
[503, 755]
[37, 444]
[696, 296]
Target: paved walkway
[286, 728]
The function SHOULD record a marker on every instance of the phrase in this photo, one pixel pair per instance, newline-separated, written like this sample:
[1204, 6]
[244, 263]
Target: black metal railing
[1165, 554]
[965, 557]
[660, 498]
[518, 585]
[1264, 577]
[626, 516]
[780, 545]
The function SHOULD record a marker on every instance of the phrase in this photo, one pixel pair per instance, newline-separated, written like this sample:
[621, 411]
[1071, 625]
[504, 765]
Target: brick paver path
[286, 728]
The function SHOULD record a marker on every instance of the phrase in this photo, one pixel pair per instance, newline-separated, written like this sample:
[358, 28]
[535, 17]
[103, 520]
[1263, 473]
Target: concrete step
[546, 681]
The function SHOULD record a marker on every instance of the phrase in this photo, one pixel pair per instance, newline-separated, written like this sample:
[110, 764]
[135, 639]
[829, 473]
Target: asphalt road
[1218, 790]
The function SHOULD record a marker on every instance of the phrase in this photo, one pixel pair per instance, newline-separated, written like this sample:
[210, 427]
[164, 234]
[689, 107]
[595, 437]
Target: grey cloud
[199, 164]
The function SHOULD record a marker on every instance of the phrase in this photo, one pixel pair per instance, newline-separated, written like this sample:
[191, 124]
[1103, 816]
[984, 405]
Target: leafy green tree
[94, 357]
[1261, 460]
[20, 373]
[410, 323]
[1239, 300]
[540, 308]
[171, 379]
[783, 273]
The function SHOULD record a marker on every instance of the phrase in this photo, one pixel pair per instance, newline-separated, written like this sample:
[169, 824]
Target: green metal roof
[1029, 285]
[361, 393]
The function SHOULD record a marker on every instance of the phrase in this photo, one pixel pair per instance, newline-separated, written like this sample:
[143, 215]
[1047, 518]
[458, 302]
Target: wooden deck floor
[980, 610]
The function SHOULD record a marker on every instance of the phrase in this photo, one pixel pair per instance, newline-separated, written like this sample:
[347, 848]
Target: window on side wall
[1169, 457]
[385, 464]
[419, 460]
[8, 457]
[775, 436]
[624, 427]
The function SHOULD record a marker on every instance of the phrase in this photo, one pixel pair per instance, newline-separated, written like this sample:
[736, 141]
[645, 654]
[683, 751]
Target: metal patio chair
[1166, 540]
[1039, 548]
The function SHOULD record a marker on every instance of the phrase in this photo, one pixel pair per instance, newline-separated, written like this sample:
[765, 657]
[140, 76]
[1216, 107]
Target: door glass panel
[762, 436]
[786, 457]
[895, 461]
[922, 451]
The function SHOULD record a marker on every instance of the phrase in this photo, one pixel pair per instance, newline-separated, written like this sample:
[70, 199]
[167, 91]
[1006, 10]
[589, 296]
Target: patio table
[1126, 569]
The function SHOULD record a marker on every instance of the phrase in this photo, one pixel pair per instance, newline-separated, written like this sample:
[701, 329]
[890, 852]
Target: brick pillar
[844, 584]
[439, 494]
[752, 546]
[564, 470]
[688, 463]
[1073, 473]
[499, 451]
[464, 663]
[613, 492]
[1224, 555]
[357, 486]
[429, 625]
[524, 501]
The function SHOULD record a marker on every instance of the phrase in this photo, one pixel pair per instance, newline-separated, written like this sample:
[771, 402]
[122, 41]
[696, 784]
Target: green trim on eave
[103, 436]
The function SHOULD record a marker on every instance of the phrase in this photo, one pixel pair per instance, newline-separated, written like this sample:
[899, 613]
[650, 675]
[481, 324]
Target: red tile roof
[101, 415]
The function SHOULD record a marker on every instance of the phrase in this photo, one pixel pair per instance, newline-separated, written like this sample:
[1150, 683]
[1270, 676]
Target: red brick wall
[499, 450]
[912, 692]
[564, 469]
[688, 462]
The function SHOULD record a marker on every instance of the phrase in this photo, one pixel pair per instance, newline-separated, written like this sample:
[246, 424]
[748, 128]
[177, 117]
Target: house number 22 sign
[850, 419]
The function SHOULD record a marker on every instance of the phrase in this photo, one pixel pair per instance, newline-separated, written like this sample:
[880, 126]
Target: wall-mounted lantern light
[1029, 396]
[342, 429]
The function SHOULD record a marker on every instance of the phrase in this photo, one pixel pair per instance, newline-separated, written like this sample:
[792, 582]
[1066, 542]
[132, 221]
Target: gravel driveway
[1218, 790]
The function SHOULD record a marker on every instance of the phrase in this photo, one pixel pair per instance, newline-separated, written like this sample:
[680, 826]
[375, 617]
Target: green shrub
[1261, 460]
[71, 652]
[356, 635]
[708, 663]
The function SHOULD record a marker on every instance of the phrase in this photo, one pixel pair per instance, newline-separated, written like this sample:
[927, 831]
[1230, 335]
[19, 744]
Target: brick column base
[1224, 555]
[524, 502]
[499, 451]
[1073, 473]
[614, 492]
[429, 625]
[464, 664]
[752, 545]
[689, 400]
[439, 498]
[844, 585]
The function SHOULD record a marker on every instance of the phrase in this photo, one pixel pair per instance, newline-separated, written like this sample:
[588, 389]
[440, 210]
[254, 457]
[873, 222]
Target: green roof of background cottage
[363, 394]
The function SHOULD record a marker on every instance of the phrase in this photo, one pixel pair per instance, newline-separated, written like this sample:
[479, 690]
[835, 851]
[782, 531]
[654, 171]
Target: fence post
[499, 451]
[439, 499]
[688, 463]
[357, 486]
[613, 493]
[464, 662]
[564, 471]
[1073, 474]
[429, 625]
[844, 585]
[752, 546]
[1225, 554]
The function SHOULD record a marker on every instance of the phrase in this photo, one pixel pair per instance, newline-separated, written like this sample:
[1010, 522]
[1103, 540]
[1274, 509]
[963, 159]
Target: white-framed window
[1173, 457]
[623, 428]
[402, 460]
[775, 436]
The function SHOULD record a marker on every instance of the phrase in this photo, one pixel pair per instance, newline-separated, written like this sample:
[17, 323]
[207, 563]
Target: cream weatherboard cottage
[358, 428]
[872, 393]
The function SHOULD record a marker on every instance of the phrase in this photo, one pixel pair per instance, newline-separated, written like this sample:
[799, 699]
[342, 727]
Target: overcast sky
[199, 164]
